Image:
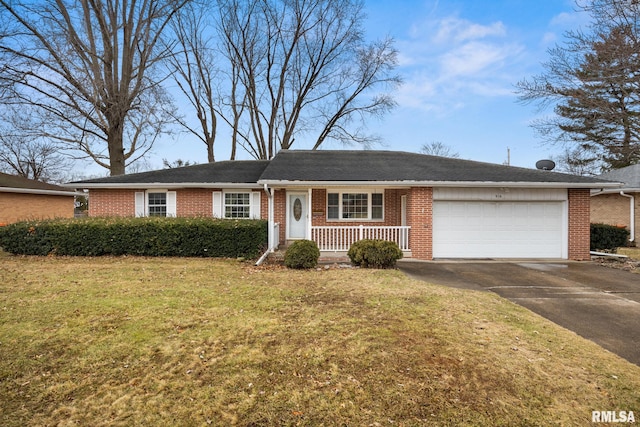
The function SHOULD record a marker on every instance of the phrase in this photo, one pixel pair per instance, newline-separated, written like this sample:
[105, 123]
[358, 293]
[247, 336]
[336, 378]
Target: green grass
[633, 253]
[193, 342]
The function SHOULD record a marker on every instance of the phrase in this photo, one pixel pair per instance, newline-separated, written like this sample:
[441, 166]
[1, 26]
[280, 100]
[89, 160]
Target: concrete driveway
[596, 302]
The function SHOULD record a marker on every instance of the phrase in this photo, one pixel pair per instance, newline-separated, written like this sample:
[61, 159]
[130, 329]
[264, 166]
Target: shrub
[302, 254]
[608, 237]
[374, 253]
[193, 237]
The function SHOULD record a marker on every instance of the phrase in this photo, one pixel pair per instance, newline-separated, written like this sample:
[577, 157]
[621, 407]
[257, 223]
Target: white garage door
[473, 229]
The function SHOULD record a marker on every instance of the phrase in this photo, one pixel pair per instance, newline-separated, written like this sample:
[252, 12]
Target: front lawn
[191, 342]
[633, 253]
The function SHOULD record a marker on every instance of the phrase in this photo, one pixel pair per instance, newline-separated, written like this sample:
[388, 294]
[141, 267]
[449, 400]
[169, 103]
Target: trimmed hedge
[374, 253]
[608, 237]
[302, 254]
[189, 237]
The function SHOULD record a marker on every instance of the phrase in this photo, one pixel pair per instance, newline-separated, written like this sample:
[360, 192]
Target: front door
[297, 215]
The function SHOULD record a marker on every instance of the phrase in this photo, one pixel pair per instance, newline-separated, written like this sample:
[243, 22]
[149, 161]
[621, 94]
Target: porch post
[271, 239]
[309, 214]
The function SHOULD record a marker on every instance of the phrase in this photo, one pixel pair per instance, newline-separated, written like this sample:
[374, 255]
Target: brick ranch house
[619, 206]
[27, 199]
[433, 207]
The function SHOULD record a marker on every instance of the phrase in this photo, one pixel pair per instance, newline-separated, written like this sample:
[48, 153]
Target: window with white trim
[355, 206]
[237, 205]
[157, 203]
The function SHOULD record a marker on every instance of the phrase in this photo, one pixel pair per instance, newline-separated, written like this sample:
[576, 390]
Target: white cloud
[473, 58]
[448, 62]
[418, 92]
[562, 22]
[549, 38]
[459, 30]
[566, 19]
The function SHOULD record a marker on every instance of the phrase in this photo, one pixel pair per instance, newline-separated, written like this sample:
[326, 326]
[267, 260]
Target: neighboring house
[26, 199]
[433, 207]
[619, 206]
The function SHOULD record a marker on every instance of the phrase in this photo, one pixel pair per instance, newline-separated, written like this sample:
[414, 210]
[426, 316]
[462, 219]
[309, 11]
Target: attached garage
[500, 223]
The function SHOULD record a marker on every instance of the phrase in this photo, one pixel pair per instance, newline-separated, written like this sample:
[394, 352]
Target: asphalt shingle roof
[355, 165]
[238, 171]
[629, 175]
[18, 182]
[342, 166]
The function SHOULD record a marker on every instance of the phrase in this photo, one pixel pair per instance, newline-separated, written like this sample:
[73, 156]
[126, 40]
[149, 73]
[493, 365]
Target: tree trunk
[210, 155]
[116, 154]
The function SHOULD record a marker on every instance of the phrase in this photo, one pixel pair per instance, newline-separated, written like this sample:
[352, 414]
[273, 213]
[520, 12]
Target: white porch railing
[340, 238]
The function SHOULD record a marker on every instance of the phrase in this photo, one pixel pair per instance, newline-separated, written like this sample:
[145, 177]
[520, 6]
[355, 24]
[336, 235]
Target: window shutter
[255, 205]
[171, 203]
[140, 210]
[217, 204]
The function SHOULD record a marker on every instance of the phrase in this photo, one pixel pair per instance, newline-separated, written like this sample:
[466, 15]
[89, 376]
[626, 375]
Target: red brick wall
[198, 202]
[280, 212]
[579, 224]
[264, 205]
[194, 202]
[189, 202]
[420, 218]
[112, 202]
[16, 207]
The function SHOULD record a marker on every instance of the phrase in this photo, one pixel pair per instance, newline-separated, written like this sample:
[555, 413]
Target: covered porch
[335, 218]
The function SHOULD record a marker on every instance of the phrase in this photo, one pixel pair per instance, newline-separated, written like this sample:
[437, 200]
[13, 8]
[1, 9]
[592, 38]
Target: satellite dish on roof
[545, 165]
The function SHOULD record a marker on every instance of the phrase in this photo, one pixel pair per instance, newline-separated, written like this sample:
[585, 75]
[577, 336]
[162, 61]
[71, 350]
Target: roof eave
[523, 184]
[617, 190]
[37, 191]
[159, 185]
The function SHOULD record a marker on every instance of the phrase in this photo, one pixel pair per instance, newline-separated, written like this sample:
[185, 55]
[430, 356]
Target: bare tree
[577, 161]
[25, 153]
[299, 67]
[37, 159]
[178, 163]
[193, 68]
[88, 67]
[593, 83]
[437, 148]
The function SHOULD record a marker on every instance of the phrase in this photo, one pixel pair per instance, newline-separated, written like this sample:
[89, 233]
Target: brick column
[579, 224]
[280, 212]
[420, 218]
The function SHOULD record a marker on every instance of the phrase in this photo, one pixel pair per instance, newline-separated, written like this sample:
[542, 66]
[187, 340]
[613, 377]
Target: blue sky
[460, 61]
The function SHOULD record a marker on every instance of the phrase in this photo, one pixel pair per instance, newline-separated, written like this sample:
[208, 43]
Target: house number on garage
[498, 196]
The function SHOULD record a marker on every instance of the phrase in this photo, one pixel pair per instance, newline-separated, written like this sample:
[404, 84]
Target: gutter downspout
[270, 236]
[632, 215]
